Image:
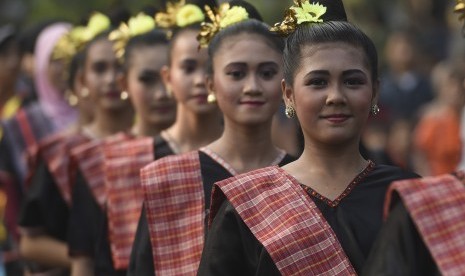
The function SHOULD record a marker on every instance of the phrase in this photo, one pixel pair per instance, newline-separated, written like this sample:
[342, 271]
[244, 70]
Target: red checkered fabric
[123, 162]
[175, 205]
[56, 153]
[285, 221]
[89, 159]
[436, 205]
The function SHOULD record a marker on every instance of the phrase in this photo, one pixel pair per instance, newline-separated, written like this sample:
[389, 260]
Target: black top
[232, 249]
[88, 223]
[399, 249]
[141, 262]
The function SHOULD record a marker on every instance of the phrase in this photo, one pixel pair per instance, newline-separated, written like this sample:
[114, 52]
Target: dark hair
[73, 69]
[152, 38]
[250, 26]
[327, 32]
[85, 51]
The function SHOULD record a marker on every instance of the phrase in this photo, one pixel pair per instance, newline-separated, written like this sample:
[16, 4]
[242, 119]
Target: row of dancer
[99, 204]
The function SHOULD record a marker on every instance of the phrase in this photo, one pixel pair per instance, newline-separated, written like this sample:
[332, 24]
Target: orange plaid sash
[285, 221]
[123, 162]
[436, 205]
[174, 199]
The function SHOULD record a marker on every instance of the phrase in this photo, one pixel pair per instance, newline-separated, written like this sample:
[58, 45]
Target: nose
[161, 93]
[199, 77]
[335, 95]
[252, 86]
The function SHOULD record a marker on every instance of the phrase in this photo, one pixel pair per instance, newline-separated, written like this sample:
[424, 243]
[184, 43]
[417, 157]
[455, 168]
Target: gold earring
[124, 95]
[211, 98]
[290, 112]
[71, 98]
[84, 93]
[169, 91]
[375, 110]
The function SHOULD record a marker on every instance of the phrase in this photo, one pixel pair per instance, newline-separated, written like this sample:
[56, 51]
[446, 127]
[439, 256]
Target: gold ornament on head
[221, 18]
[179, 14]
[137, 25]
[300, 12]
[460, 9]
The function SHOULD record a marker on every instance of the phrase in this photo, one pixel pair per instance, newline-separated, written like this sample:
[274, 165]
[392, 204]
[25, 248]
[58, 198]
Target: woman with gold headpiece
[319, 214]
[113, 114]
[244, 72]
[144, 52]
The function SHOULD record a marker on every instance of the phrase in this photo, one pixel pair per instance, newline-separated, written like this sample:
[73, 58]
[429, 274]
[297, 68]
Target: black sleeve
[85, 220]
[43, 206]
[231, 249]
[399, 249]
[141, 262]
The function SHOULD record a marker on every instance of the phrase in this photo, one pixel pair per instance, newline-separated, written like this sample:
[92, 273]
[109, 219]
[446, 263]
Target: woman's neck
[192, 131]
[146, 129]
[107, 123]
[246, 148]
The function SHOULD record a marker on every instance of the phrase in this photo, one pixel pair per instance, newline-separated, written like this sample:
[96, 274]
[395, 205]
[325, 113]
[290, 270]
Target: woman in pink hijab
[31, 124]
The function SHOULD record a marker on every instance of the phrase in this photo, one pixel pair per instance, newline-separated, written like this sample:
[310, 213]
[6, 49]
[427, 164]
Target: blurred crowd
[420, 127]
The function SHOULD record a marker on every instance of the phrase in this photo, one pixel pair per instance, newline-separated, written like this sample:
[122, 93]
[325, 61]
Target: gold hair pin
[137, 25]
[179, 14]
[460, 9]
[221, 18]
[300, 12]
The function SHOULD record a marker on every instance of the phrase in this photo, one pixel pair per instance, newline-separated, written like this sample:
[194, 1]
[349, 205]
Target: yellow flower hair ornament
[179, 14]
[221, 18]
[137, 25]
[300, 12]
[460, 9]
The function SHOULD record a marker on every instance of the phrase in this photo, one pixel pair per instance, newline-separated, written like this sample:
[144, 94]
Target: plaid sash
[55, 150]
[436, 205]
[89, 159]
[285, 221]
[175, 207]
[123, 162]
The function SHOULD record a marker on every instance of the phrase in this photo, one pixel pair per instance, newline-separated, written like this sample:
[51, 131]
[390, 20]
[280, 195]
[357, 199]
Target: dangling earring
[169, 92]
[375, 110]
[71, 98]
[84, 93]
[290, 111]
[211, 98]
[124, 95]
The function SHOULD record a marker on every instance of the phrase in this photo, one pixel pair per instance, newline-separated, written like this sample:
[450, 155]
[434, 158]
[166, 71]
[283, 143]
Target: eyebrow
[266, 63]
[344, 73]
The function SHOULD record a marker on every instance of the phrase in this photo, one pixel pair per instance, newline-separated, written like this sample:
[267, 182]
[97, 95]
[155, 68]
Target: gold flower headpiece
[300, 12]
[179, 14]
[224, 16]
[75, 40]
[137, 25]
[460, 9]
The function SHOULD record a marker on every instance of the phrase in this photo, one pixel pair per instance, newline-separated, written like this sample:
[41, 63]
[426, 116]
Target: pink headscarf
[52, 101]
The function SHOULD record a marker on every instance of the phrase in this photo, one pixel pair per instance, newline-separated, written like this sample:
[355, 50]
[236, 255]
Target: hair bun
[335, 10]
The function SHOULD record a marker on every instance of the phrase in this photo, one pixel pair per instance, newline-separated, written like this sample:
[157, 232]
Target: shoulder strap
[122, 164]
[175, 208]
[285, 221]
[436, 205]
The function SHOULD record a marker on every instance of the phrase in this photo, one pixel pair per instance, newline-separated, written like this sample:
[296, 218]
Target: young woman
[245, 69]
[44, 213]
[113, 113]
[321, 213]
[144, 56]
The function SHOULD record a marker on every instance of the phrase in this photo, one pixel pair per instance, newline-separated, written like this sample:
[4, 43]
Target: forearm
[45, 250]
[82, 266]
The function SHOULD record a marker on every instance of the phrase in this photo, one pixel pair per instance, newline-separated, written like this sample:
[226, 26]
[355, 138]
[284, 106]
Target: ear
[288, 93]
[210, 84]
[166, 76]
[375, 97]
[122, 81]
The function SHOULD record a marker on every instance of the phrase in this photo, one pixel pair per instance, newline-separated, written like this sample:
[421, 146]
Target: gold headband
[179, 14]
[137, 25]
[460, 9]
[224, 16]
[300, 12]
